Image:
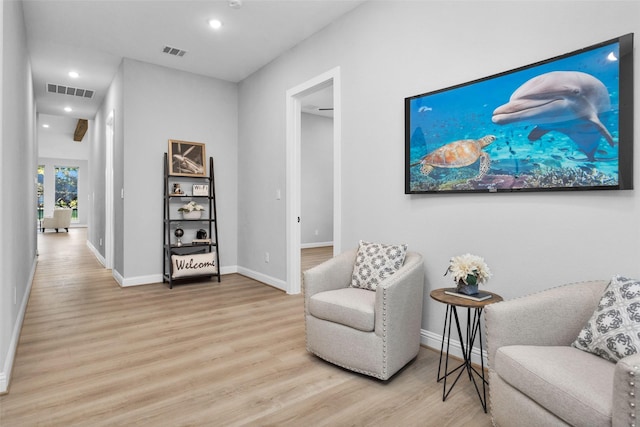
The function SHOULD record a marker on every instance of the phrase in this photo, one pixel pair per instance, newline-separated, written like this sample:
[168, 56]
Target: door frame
[293, 189]
[109, 198]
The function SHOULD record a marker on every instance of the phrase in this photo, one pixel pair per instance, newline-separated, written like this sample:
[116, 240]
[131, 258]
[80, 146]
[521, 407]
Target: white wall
[18, 153]
[162, 104]
[390, 50]
[113, 102]
[316, 159]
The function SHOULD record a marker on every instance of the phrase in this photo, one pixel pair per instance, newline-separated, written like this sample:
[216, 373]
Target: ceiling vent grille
[72, 91]
[173, 51]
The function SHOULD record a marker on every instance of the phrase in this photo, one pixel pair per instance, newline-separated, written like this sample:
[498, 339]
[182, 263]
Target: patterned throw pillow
[613, 332]
[375, 262]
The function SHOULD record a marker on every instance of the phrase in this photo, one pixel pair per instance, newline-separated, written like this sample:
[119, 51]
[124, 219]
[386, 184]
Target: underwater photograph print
[554, 125]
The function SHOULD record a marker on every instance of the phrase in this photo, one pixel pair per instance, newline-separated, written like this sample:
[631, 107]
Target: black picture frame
[487, 136]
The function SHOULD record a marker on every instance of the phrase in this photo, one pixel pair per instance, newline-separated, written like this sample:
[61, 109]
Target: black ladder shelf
[172, 221]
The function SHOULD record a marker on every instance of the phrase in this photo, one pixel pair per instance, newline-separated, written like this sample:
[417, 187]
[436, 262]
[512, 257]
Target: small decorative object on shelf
[179, 233]
[177, 191]
[201, 241]
[192, 215]
[191, 210]
[200, 189]
[468, 272]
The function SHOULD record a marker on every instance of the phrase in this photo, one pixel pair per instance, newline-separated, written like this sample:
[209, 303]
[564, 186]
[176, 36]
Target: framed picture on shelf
[200, 189]
[187, 158]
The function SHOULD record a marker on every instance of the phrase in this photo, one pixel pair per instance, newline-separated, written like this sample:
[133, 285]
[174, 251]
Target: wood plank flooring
[207, 354]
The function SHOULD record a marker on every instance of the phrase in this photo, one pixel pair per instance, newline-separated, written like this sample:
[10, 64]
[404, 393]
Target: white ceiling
[92, 36]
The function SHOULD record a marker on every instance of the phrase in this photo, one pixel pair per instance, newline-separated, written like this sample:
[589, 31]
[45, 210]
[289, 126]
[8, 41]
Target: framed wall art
[187, 158]
[565, 123]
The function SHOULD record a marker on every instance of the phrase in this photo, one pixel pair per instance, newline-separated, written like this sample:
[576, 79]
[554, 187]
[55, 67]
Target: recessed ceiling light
[215, 24]
[45, 125]
[68, 109]
[74, 74]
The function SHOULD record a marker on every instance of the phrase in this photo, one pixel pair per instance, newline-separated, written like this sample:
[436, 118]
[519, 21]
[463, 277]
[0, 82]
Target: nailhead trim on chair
[632, 394]
[384, 331]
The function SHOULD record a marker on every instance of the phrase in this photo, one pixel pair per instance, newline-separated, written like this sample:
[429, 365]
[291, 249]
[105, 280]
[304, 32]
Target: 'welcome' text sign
[194, 265]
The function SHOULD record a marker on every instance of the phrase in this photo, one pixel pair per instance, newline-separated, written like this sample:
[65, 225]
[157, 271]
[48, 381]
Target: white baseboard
[315, 245]
[271, 281]
[138, 280]
[434, 341]
[96, 253]
[157, 278]
[5, 374]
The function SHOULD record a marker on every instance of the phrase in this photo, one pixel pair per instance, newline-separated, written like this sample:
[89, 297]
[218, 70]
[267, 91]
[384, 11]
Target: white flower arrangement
[190, 207]
[470, 269]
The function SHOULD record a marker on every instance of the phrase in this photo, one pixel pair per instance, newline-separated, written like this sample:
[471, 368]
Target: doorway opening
[293, 161]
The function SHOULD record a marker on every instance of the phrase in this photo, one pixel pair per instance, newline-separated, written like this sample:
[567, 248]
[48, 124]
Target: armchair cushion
[612, 330]
[375, 262]
[349, 306]
[574, 385]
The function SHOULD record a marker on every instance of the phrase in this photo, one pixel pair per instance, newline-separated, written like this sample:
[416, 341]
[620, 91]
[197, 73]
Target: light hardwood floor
[213, 354]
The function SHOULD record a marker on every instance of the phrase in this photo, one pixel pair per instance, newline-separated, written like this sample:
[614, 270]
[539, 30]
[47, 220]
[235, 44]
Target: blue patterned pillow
[375, 262]
[613, 332]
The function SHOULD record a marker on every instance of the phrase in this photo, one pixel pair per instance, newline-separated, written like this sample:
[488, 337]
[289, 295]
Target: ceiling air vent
[173, 51]
[72, 91]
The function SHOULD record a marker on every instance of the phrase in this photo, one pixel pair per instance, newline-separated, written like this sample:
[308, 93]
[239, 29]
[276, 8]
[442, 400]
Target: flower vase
[463, 288]
[191, 215]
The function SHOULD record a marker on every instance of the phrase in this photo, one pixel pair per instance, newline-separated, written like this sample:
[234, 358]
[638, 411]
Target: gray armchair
[537, 379]
[371, 332]
[61, 219]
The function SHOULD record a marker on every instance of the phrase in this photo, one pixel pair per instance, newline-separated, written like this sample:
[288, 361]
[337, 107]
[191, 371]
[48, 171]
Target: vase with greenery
[191, 210]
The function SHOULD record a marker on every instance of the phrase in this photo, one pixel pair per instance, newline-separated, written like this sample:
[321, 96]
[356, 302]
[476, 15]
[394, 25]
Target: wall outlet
[15, 295]
[266, 257]
[317, 232]
[101, 241]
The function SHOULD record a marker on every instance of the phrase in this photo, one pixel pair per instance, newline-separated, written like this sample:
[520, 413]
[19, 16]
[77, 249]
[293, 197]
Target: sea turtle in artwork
[458, 154]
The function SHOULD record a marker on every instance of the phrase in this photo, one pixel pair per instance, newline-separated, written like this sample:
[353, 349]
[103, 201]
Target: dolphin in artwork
[563, 101]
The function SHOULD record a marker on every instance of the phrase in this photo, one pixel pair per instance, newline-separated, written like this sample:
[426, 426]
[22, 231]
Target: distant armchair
[61, 219]
[536, 376]
[371, 332]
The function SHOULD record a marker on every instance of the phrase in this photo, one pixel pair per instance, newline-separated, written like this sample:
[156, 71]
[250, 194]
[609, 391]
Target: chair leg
[56, 230]
[66, 229]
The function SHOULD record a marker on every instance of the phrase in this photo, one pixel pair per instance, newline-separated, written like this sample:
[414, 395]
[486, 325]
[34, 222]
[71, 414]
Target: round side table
[473, 331]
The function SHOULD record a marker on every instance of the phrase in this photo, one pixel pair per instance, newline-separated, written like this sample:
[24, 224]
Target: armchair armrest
[551, 317]
[49, 222]
[626, 391]
[398, 311]
[399, 298]
[330, 275]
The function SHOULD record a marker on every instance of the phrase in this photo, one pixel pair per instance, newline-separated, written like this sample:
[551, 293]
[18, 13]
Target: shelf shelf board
[192, 245]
